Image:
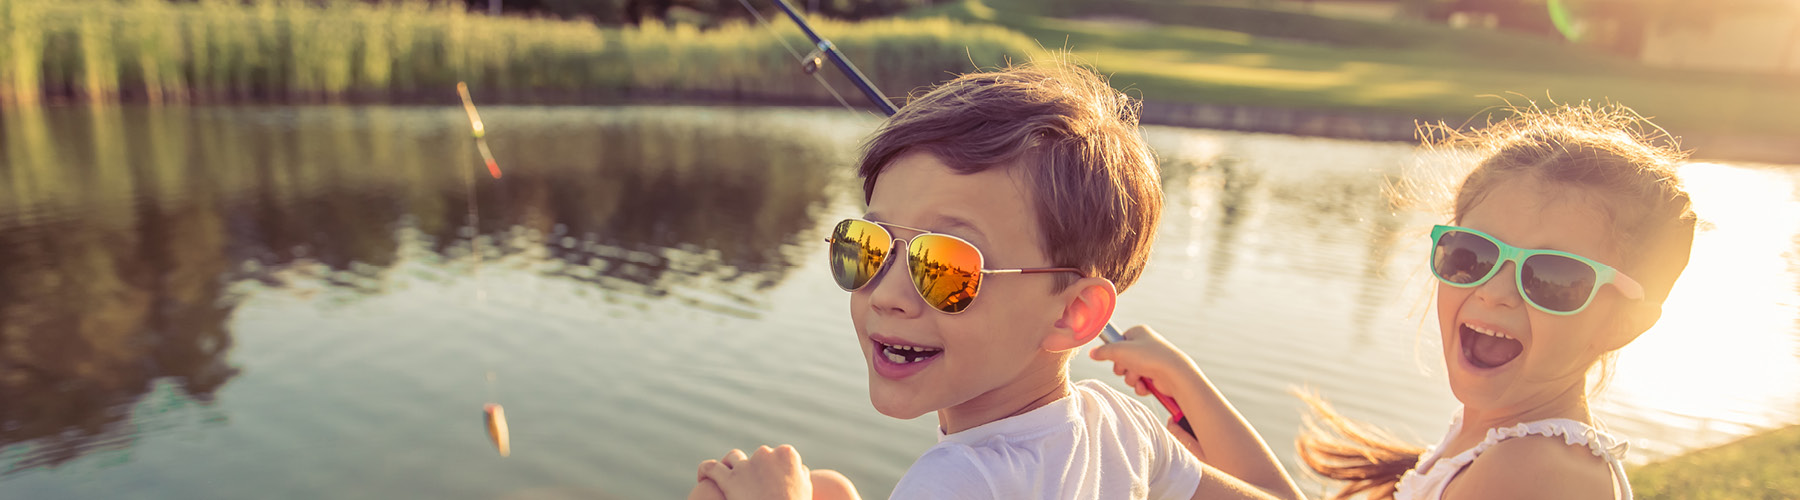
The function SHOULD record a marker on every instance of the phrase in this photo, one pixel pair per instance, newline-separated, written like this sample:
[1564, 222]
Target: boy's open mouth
[1486, 348]
[905, 354]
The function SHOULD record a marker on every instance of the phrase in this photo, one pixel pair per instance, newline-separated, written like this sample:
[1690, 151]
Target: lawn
[1762, 466]
[1189, 51]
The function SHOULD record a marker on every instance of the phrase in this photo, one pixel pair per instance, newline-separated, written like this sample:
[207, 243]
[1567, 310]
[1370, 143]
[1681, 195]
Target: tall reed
[104, 50]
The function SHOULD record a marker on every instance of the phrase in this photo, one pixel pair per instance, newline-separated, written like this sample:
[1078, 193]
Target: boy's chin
[903, 410]
[901, 413]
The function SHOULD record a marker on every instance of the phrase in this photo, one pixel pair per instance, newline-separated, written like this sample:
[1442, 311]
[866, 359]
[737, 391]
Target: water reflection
[1234, 192]
[126, 234]
[90, 315]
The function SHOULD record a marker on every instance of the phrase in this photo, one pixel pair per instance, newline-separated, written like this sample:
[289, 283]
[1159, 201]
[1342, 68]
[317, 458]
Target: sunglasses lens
[1463, 258]
[1557, 283]
[946, 270]
[858, 249]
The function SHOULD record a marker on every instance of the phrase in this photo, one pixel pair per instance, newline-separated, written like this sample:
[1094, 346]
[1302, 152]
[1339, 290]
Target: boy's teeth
[900, 354]
[1487, 332]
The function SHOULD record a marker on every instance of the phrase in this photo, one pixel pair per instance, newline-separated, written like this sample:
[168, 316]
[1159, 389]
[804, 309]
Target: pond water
[307, 302]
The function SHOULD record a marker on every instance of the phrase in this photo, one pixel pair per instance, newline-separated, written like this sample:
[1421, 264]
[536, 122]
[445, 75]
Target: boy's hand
[706, 489]
[769, 473]
[1146, 355]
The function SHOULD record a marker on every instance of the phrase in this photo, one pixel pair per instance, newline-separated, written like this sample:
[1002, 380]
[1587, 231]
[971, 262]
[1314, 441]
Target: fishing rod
[824, 49]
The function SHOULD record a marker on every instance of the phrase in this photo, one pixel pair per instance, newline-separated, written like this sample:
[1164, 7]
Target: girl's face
[1504, 356]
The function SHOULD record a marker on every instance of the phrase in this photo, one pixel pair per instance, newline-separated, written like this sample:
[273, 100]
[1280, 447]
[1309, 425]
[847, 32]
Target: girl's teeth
[894, 357]
[1487, 332]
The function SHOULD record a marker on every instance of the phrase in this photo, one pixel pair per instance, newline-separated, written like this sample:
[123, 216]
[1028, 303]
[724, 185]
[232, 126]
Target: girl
[1560, 248]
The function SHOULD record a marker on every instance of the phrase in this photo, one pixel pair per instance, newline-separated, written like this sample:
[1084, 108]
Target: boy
[1004, 209]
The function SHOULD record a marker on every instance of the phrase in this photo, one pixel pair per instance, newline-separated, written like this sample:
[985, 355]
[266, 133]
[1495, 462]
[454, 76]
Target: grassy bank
[102, 50]
[1167, 51]
[1760, 466]
[1190, 51]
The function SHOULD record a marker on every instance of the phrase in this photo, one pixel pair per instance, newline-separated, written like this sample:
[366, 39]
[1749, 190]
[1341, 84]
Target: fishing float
[480, 132]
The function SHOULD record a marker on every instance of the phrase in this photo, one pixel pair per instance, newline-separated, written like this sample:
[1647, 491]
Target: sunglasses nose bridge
[1502, 287]
[896, 251]
[883, 296]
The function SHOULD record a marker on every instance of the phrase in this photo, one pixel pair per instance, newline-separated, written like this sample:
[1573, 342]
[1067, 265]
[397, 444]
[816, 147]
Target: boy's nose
[894, 296]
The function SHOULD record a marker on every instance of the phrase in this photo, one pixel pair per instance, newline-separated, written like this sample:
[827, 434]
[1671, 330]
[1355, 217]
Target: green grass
[102, 50]
[1188, 51]
[1162, 50]
[1763, 466]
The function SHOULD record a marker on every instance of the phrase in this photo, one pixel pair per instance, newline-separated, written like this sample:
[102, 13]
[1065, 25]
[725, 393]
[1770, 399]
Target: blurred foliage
[102, 50]
[706, 12]
[1620, 25]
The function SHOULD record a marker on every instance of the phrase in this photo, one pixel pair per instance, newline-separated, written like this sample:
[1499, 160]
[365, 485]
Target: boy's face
[990, 358]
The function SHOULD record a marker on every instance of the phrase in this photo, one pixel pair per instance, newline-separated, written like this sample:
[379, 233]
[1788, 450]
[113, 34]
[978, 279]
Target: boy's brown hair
[1092, 178]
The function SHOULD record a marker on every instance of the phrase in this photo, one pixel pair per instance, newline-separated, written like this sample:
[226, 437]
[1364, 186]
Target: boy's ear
[1087, 306]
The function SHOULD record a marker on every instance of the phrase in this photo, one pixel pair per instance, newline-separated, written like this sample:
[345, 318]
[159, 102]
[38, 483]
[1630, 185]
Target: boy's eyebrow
[944, 222]
[958, 222]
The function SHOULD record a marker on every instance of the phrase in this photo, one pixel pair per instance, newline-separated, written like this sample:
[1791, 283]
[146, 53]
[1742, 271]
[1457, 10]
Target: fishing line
[474, 220]
[803, 60]
[492, 414]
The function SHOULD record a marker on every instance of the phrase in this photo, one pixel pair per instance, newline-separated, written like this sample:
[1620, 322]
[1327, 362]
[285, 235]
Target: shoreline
[1376, 126]
[1395, 127]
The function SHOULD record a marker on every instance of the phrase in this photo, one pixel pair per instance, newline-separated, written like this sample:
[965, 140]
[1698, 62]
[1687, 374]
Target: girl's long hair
[1370, 461]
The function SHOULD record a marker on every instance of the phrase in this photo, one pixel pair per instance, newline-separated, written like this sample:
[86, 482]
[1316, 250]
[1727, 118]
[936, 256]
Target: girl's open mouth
[1486, 348]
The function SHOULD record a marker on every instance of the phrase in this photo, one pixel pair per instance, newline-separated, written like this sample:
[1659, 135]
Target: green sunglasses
[1555, 282]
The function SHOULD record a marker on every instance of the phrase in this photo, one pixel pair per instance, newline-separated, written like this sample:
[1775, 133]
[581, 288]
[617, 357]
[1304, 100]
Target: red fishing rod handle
[1110, 335]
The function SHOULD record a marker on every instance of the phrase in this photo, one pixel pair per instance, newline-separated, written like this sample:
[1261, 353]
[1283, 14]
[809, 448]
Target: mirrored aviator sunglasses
[946, 270]
[1555, 282]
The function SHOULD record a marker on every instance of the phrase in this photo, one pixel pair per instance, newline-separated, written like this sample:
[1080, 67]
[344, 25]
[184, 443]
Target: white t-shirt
[1096, 443]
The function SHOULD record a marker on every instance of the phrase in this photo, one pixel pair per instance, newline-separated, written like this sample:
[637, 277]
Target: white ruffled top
[1427, 480]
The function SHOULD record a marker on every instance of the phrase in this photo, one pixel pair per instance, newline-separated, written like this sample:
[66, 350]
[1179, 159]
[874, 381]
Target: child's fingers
[1101, 353]
[706, 489]
[785, 455]
[1117, 352]
[1137, 383]
[1141, 332]
[733, 458]
[715, 471]
[700, 472]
